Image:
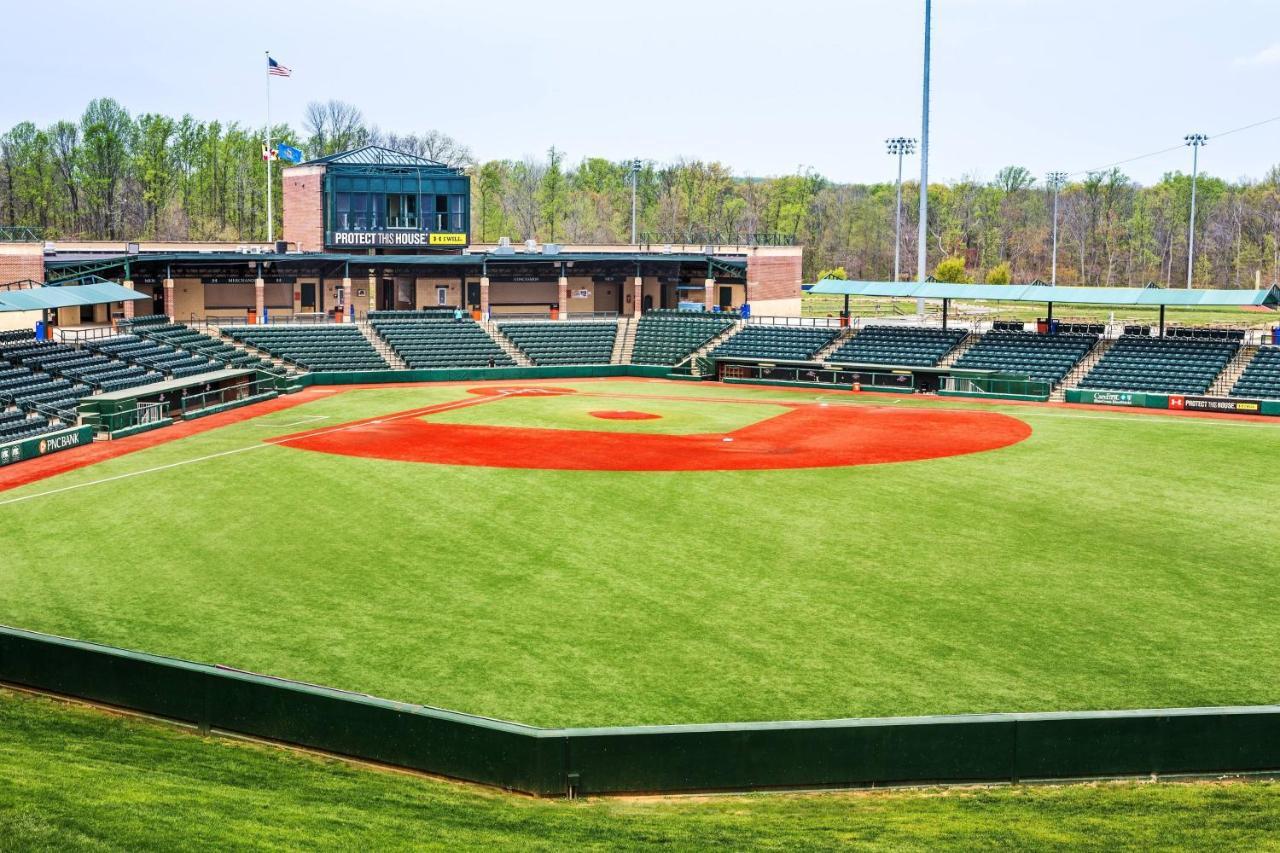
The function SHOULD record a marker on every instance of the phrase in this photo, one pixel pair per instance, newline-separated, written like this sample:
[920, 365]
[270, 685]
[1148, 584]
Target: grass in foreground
[1109, 561]
[870, 309]
[78, 779]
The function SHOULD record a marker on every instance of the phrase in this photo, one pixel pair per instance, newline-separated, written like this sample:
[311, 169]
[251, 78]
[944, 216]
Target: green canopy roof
[1153, 296]
[48, 298]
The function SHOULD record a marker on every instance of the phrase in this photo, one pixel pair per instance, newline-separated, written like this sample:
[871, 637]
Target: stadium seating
[1046, 358]
[338, 347]
[1161, 365]
[183, 337]
[563, 343]
[1261, 377]
[785, 343]
[665, 336]
[905, 346]
[440, 341]
[152, 355]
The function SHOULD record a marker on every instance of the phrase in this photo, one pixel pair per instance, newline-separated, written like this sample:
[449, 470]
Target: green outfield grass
[1109, 561]
[825, 304]
[76, 779]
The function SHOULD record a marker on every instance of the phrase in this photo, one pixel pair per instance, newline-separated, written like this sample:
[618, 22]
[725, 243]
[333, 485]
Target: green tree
[1001, 273]
[952, 270]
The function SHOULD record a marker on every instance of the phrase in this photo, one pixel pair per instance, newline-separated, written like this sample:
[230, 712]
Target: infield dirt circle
[806, 435]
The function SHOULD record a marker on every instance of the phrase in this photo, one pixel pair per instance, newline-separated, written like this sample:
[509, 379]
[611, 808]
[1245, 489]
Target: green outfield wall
[741, 756]
[481, 374]
[43, 445]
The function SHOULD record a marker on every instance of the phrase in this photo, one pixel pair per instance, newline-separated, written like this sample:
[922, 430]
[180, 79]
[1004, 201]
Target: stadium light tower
[1195, 140]
[922, 250]
[1056, 180]
[899, 146]
[635, 179]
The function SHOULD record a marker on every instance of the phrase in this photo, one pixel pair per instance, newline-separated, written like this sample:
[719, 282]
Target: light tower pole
[1056, 180]
[1195, 140]
[899, 146]
[922, 250]
[635, 179]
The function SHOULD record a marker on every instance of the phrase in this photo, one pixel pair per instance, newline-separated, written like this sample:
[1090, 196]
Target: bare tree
[433, 144]
[333, 126]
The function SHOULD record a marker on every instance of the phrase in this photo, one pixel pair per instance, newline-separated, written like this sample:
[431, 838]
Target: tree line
[114, 176]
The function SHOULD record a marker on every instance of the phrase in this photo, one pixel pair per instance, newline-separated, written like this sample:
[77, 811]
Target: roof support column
[637, 297]
[562, 295]
[708, 299]
[260, 296]
[1162, 321]
[128, 303]
[946, 309]
[169, 307]
[347, 303]
[484, 296]
[373, 290]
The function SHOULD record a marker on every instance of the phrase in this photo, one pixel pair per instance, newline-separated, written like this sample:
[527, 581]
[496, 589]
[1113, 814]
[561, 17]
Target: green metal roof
[108, 262]
[374, 155]
[1151, 296]
[47, 298]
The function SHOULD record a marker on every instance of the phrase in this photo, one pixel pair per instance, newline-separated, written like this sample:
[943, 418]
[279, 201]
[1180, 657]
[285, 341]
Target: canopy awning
[49, 298]
[1146, 296]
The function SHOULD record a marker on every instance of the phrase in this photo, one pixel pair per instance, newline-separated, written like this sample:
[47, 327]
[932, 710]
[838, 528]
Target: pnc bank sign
[395, 239]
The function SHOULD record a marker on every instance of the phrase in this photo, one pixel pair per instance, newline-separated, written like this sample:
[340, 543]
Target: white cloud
[1266, 56]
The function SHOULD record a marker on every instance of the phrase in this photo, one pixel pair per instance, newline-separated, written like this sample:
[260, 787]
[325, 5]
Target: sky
[767, 88]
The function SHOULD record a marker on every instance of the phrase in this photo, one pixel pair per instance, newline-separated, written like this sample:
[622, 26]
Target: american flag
[277, 69]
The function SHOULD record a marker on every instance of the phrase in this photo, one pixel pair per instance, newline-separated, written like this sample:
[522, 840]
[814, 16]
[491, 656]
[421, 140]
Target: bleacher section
[32, 381]
[1046, 358]
[563, 343]
[785, 343]
[665, 336]
[152, 355]
[183, 337]
[1161, 365]
[904, 346]
[426, 339]
[337, 347]
[1261, 377]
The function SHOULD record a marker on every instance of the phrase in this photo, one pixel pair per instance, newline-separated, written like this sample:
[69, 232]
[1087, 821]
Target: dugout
[117, 414]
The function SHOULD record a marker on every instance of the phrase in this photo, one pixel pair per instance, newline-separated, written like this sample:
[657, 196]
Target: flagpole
[271, 234]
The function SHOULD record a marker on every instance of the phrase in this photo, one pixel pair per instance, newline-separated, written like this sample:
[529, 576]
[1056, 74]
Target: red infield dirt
[808, 436]
[625, 416]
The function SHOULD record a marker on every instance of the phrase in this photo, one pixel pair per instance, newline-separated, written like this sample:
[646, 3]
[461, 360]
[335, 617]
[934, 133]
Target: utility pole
[922, 250]
[1195, 140]
[1056, 180]
[899, 146]
[635, 179]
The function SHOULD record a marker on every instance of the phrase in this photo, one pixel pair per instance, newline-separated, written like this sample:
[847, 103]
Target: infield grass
[1109, 561]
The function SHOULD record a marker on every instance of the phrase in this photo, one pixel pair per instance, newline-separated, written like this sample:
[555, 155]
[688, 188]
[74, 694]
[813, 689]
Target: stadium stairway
[624, 342]
[1261, 379]
[509, 347]
[1081, 370]
[277, 364]
[838, 341]
[389, 355]
[694, 359]
[1230, 375]
[966, 343]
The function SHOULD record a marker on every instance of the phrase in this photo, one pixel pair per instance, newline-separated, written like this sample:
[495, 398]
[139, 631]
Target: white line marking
[258, 422]
[444, 407]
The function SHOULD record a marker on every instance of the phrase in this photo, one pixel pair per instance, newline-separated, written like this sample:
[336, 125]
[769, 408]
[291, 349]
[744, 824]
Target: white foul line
[444, 407]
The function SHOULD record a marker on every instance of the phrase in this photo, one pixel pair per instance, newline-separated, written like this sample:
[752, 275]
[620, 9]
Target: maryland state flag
[269, 153]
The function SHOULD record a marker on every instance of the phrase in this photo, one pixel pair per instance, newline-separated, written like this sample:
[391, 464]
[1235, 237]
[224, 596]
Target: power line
[1173, 148]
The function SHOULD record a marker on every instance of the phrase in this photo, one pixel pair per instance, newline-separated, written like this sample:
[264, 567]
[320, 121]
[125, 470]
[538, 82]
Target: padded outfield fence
[571, 762]
[994, 388]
